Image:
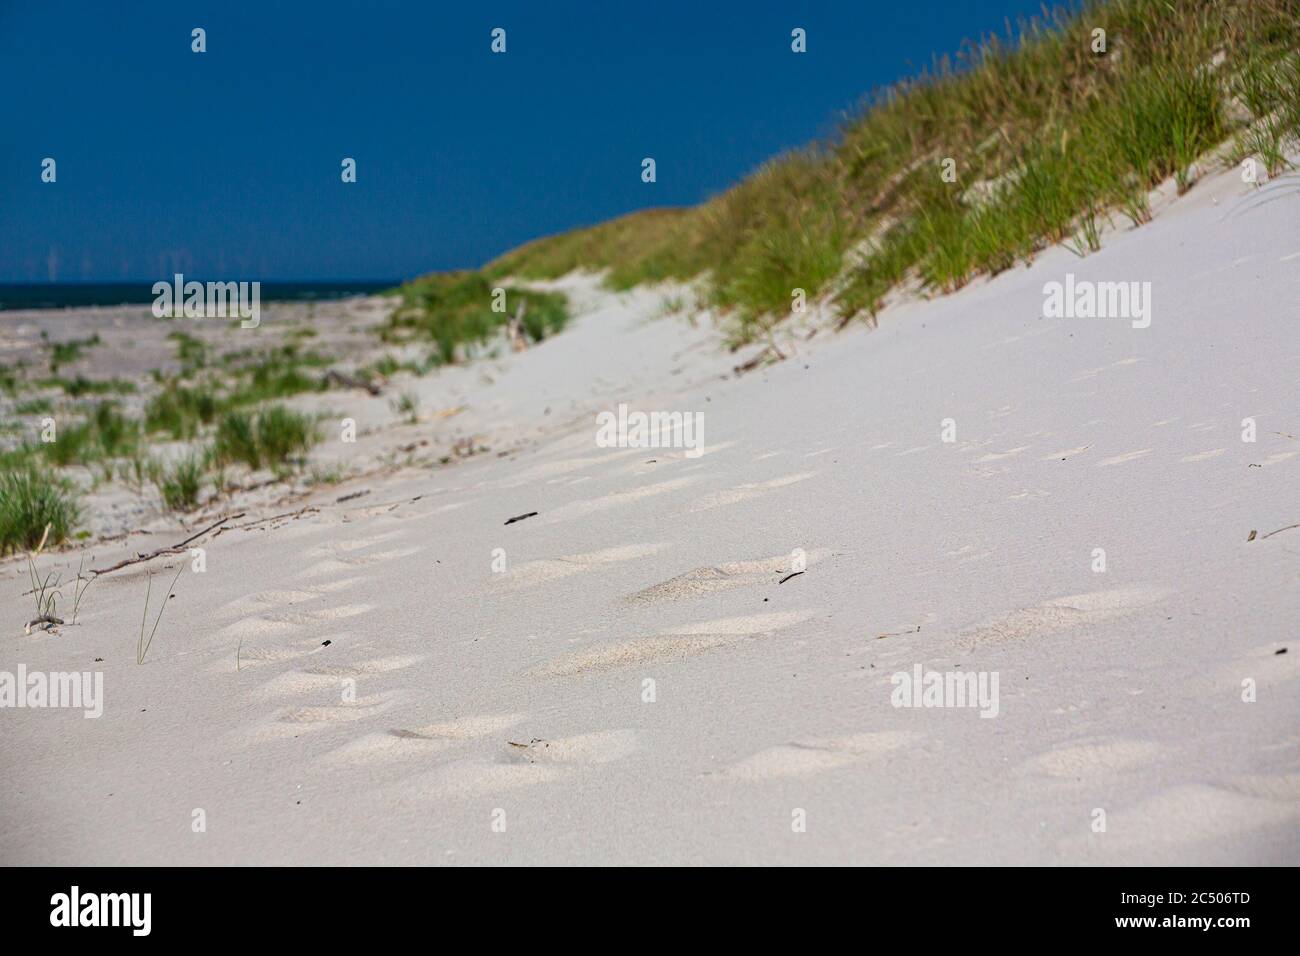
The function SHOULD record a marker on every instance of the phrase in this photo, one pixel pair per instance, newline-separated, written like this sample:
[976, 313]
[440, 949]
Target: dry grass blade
[142, 646]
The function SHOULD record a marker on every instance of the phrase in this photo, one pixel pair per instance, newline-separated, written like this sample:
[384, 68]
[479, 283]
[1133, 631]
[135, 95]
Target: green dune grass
[1047, 137]
[32, 499]
[454, 312]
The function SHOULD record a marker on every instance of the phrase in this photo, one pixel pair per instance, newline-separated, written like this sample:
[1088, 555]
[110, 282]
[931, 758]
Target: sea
[63, 295]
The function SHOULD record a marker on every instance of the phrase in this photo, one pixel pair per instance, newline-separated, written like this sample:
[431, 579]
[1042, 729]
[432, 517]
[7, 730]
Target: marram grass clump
[977, 164]
[181, 483]
[272, 438]
[32, 499]
[460, 312]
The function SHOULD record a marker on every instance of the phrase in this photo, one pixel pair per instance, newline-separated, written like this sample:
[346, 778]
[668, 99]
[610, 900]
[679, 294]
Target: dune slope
[360, 684]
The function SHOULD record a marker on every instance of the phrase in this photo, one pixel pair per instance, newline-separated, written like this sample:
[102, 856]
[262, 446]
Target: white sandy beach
[484, 696]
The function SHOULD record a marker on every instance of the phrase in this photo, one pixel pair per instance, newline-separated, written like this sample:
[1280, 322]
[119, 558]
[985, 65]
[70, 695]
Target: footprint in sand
[547, 470]
[1094, 372]
[1062, 614]
[527, 762]
[802, 758]
[745, 492]
[338, 564]
[258, 652]
[1277, 457]
[296, 721]
[273, 638]
[545, 570]
[1205, 455]
[1066, 453]
[602, 747]
[262, 601]
[348, 545]
[1121, 459]
[402, 743]
[1088, 761]
[476, 777]
[342, 584]
[999, 455]
[578, 509]
[310, 679]
[362, 708]
[711, 579]
[1028, 494]
[289, 623]
[678, 643]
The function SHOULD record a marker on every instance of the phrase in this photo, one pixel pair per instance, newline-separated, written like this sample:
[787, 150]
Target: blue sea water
[63, 295]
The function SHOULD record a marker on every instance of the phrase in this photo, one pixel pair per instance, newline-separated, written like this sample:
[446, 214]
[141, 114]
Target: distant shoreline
[62, 295]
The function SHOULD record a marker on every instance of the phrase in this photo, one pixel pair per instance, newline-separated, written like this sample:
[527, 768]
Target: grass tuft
[273, 438]
[454, 311]
[180, 484]
[32, 500]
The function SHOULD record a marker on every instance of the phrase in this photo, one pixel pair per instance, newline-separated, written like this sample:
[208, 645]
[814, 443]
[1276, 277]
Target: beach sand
[360, 683]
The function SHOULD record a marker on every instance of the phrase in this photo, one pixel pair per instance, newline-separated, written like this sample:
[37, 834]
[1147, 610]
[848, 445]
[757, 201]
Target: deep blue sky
[226, 164]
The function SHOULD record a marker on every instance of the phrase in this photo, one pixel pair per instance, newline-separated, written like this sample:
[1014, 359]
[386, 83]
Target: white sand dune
[636, 686]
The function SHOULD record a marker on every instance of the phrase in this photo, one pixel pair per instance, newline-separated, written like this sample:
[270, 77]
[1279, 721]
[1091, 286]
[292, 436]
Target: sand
[483, 695]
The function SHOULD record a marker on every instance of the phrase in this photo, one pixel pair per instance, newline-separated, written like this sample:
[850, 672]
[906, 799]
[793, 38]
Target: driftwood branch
[766, 354]
[260, 521]
[174, 549]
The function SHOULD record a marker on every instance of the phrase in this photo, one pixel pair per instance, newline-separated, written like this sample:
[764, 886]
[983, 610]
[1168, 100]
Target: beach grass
[980, 162]
[143, 644]
[31, 500]
[272, 438]
[179, 410]
[459, 312]
[69, 351]
[180, 483]
[283, 434]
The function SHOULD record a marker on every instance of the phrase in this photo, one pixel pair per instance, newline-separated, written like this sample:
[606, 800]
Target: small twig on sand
[520, 517]
[792, 574]
[910, 630]
[764, 354]
[260, 521]
[174, 549]
[1279, 531]
[398, 504]
[351, 381]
